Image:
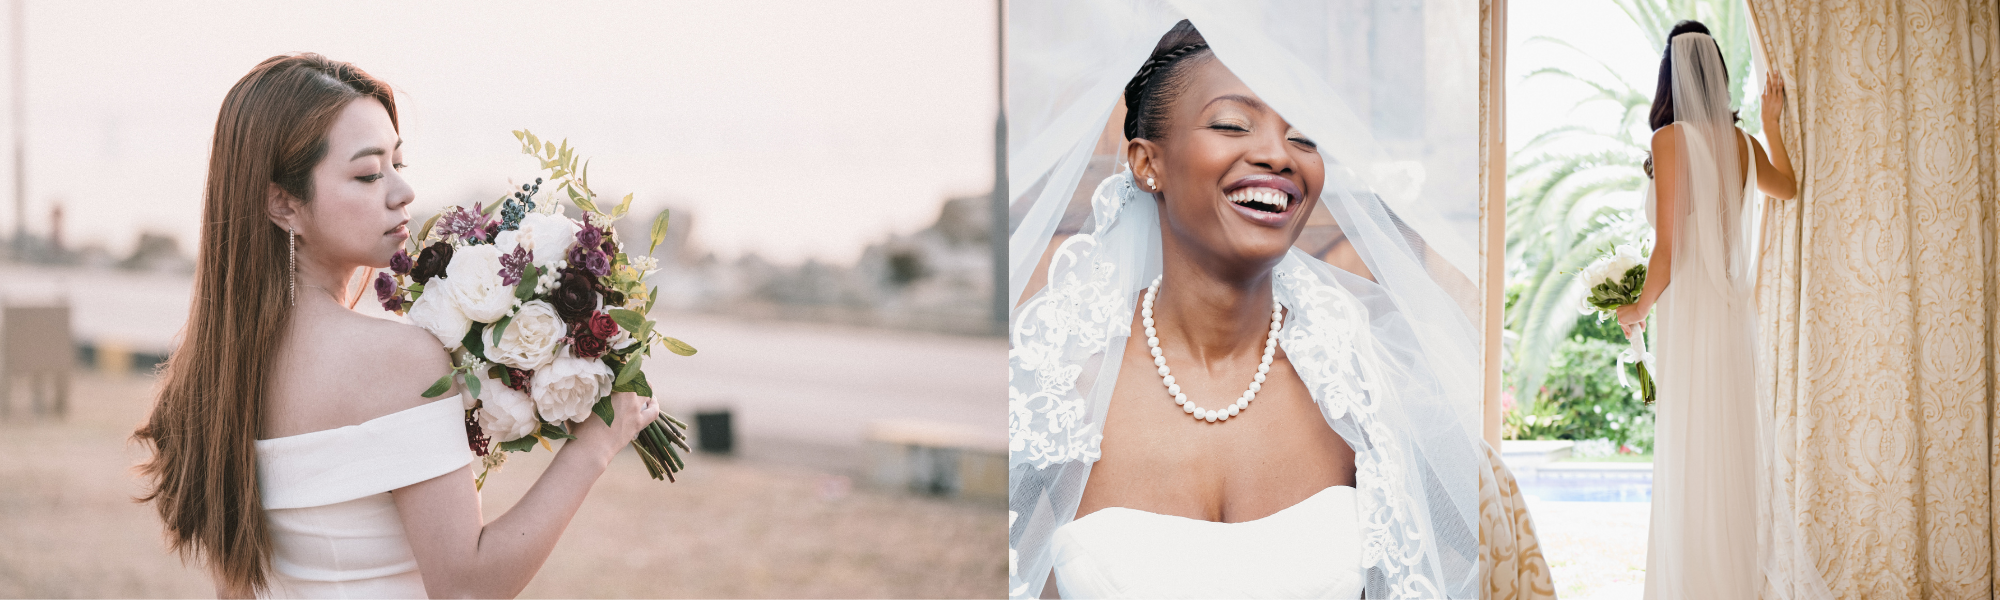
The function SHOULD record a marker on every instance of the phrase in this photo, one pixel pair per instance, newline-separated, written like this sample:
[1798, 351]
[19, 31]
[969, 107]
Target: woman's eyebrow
[374, 151]
[1238, 98]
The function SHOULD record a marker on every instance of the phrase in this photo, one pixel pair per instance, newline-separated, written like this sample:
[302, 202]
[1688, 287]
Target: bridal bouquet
[1615, 280]
[545, 315]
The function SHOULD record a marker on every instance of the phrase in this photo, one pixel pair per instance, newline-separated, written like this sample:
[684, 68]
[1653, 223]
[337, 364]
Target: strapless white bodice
[1308, 550]
[335, 532]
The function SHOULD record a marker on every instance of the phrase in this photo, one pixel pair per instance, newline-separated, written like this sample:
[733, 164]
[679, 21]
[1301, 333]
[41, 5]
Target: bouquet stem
[656, 444]
[1638, 354]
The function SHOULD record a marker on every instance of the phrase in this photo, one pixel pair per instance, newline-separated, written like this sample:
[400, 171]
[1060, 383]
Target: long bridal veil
[1718, 478]
[1380, 327]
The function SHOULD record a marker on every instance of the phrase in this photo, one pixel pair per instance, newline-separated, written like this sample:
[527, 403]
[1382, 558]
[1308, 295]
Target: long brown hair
[272, 130]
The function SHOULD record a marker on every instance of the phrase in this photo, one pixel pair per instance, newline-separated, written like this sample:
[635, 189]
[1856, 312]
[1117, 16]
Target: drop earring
[1150, 184]
[292, 266]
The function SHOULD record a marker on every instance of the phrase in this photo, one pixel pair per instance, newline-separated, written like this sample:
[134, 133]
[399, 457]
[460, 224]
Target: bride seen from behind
[1705, 531]
[293, 452]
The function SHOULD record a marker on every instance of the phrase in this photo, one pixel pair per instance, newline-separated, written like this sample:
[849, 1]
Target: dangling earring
[292, 270]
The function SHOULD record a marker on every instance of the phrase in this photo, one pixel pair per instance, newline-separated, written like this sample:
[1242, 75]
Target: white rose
[530, 339]
[475, 283]
[567, 388]
[505, 413]
[436, 312]
[548, 236]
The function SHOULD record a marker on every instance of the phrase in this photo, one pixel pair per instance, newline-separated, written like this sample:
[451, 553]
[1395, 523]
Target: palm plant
[1577, 203]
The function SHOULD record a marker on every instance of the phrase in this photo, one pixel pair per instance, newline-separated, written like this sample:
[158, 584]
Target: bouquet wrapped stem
[1616, 281]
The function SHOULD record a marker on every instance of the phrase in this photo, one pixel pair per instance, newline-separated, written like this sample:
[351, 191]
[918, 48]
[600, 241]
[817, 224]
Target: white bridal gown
[1308, 550]
[1703, 541]
[335, 532]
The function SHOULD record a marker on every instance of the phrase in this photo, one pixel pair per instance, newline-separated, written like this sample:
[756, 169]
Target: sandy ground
[729, 528]
[1596, 550]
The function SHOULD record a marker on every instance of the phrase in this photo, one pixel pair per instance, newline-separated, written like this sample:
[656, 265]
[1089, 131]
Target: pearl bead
[1235, 408]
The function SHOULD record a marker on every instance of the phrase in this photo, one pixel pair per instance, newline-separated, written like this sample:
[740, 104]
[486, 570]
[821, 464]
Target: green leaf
[640, 386]
[425, 232]
[659, 232]
[437, 389]
[529, 274]
[651, 297]
[555, 432]
[472, 385]
[523, 444]
[603, 409]
[473, 341]
[678, 347]
[623, 205]
[500, 328]
[582, 201]
[627, 372]
[627, 319]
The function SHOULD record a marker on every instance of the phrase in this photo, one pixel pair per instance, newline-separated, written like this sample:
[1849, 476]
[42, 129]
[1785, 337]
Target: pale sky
[794, 129]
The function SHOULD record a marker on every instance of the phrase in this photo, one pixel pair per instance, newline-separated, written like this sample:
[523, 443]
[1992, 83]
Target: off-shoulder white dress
[335, 532]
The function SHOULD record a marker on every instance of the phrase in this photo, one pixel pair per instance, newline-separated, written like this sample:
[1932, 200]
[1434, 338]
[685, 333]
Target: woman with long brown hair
[293, 452]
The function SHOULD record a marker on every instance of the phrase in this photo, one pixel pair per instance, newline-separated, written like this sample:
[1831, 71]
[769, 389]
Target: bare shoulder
[1666, 139]
[344, 368]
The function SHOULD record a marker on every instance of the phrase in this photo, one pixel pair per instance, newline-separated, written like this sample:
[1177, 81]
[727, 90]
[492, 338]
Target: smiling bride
[1199, 409]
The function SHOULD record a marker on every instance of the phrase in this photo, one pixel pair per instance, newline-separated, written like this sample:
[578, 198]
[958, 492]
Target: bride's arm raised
[1774, 172]
[1666, 221]
[462, 557]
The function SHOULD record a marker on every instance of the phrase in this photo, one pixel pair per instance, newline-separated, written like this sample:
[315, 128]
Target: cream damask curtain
[1878, 291]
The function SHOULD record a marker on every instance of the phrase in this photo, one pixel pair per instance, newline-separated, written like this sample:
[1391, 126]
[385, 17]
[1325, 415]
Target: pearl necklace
[1174, 389]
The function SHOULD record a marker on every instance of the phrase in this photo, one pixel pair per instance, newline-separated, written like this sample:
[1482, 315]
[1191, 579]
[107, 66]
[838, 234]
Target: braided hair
[1159, 80]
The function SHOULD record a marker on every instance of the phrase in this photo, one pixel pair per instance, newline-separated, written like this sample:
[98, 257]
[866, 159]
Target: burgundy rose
[474, 436]
[518, 379]
[602, 326]
[400, 263]
[610, 249]
[431, 262]
[576, 299]
[586, 345]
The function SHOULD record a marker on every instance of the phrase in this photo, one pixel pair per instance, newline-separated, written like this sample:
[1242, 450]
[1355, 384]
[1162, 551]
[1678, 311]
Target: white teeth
[1261, 195]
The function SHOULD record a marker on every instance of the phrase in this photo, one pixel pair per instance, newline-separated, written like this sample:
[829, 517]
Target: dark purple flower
[576, 299]
[385, 290]
[589, 259]
[513, 263]
[518, 379]
[608, 247]
[589, 236]
[401, 263]
[459, 222]
[476, 437]
[431, 262]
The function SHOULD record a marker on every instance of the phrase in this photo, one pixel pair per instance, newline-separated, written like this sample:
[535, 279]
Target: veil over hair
[1385, 346]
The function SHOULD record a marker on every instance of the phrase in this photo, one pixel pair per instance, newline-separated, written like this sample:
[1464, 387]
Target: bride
[293, 452]
[1705, 174]
[1200, 410]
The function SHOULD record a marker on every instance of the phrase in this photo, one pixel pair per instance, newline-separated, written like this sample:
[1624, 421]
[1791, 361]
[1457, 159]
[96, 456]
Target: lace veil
[1379, 325]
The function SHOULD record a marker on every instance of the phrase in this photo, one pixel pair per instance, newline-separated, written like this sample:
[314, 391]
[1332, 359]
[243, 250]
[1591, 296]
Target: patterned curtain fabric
[1878, 291]
[1510, 556]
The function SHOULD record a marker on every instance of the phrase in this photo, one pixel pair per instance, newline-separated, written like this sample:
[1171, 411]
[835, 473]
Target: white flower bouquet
[1614, 281]
[545, 315]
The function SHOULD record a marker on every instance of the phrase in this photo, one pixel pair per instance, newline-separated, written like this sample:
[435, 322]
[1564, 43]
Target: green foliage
[1565, 211]
[1609, 295]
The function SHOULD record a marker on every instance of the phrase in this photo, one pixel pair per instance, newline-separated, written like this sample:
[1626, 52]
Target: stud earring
[292, 269]
[1150, 184]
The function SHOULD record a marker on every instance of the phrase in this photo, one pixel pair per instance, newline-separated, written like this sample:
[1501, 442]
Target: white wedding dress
[1704, 529]
[335, 532]
[1309, 550]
